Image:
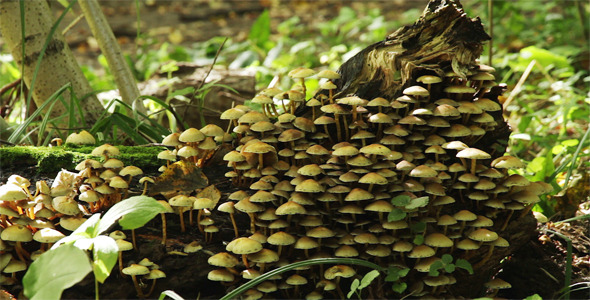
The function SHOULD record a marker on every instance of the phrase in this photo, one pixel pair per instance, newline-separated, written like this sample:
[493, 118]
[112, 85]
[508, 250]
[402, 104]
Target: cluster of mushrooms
[32, 218]
[394, 181]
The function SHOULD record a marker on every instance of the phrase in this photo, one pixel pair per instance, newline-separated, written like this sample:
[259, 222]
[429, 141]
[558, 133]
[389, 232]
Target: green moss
[53, 159]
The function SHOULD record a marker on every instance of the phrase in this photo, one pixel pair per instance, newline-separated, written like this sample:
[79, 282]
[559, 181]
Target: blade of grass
[318, 261]
[23, 126]
[45, 121]
[568, 263]
[575, 157]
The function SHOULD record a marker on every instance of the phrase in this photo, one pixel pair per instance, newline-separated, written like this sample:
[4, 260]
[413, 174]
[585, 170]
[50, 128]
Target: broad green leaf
[395, 215]
[104, 253]
[131, 213]
[392, 274]
[542, 56]
[260, 31]
[401, 200]
[399, 287]
[353, 286]
[54, 271]
[84, 244]
[417, 203]
[464, 264]
[368, 278]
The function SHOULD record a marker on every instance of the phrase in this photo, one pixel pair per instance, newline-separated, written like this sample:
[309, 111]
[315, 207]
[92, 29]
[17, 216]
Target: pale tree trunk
[58, 66]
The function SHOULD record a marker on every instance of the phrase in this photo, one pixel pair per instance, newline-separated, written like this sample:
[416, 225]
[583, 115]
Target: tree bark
[58, 66]
[111, 50]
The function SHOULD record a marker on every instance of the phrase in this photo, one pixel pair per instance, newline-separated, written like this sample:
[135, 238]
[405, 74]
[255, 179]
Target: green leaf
[403, 272]
[395, 215]
[418, 239]
[399, 287]
[534, 297]
[434, 267]
[105, 253]
[170, 294]
[450, 268]
[54, 271]
[368, 278]
[464, 264]
[417, 203]
[260, 31]
[542, 56]
[447, 258]
[418, 227]
[131, 213]
[353, 286]
[401, 200]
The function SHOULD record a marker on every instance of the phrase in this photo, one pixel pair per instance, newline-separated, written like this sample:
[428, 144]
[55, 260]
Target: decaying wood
[217, 100]
[442, 35]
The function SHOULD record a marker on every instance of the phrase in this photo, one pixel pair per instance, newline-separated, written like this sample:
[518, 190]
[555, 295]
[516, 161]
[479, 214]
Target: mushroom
[135, 270]
[154, 275]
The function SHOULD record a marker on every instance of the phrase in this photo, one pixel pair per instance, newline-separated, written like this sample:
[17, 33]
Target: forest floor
[537, 268]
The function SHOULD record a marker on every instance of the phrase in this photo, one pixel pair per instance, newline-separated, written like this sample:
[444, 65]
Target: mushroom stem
[233, 222]
[164, 233]
[252, 222]
[23, 255]
[507, 220]
[260, 161]
[137, 287]
[338, 130]
[151, 288]
[133, 241]
[245, 260]
[199, 221]
[121, 263]
[182, 228]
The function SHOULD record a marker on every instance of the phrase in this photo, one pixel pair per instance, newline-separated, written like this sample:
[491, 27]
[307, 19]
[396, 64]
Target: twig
[72, 24]
[9, 86]
[521, 81]
[205, 78]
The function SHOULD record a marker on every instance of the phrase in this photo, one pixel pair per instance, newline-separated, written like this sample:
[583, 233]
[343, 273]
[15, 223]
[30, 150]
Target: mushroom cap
[191, 135]
[497, 284]
[223, 259]
[48, 235]
[483, 235]
[220, 275]
[320, 232]
[264, 256]
[66, 205]
[416, 90]
[12, 192]
[130, 170]
[301, 72]
[82, 138]
[352, 100]
[339, 271]
[464, 215]
[245, 205]
[181, 201]
[309, 186]
[328, 74]
[473, 153]
[155, 274]
[71, 223]
[15, 266]
[438, 240]
[429, 79]
[421, 251]
[16, 233]
[281, 238]
[422, 171]
[243, 245]
[171, 140]
[136, 269]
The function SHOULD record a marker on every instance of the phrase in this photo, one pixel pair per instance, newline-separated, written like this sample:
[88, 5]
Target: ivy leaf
[418, 240]
[403, 272]
[368, 278]
[401, 200]
[434, 267]
[447, 258]
[418, 227]
[417, 203]
[67, 265]
[395, 215]
[464, 264]
[399, 287]
[450, 268]
[353, 286]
